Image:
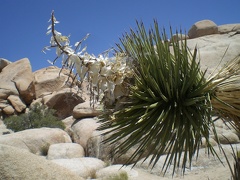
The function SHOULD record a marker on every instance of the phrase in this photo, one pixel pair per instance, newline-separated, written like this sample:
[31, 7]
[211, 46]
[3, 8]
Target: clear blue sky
[24, 22]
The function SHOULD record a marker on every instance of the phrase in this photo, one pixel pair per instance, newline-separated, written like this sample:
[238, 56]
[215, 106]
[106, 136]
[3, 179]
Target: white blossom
[103, 85]
[106, 71]
[58, 51]
[49, 32]
[74, 59]
[50, 62]
[69, 50]
[49, 27]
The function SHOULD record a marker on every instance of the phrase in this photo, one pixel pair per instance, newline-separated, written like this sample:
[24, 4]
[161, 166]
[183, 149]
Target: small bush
[120, 176]
[38, 116]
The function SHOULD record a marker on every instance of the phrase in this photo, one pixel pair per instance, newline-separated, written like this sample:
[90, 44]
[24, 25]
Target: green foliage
[170, 106]
[38, 116]
[120, 176]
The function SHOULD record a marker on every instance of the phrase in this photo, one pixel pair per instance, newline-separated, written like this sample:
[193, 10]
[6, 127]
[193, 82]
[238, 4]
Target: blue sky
[24, 22]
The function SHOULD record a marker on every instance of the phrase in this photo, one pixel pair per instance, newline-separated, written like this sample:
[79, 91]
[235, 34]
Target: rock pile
[20, 87]
[86, 156]
[77, 152]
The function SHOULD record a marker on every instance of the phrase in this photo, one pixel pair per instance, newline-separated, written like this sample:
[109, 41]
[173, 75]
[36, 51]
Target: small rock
[3, 104]
[8, 110]
[211, 141]
[65, 151]
[84, 110]
[17, 103]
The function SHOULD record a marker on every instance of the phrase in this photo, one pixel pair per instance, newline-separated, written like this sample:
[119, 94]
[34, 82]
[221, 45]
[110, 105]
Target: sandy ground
[203, 169]
[217, 172]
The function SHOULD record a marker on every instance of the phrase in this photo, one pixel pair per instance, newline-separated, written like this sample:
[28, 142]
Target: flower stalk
[106, 77]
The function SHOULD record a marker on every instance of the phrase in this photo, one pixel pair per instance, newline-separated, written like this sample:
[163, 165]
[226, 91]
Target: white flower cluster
[105, 75]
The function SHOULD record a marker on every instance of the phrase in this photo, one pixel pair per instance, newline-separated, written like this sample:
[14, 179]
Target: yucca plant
[169, 105]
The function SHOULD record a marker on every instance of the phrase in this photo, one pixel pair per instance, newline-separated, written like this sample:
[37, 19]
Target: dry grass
[226, 98]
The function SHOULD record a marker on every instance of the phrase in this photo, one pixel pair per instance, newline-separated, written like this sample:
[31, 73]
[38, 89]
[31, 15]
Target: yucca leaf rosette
[169, 108]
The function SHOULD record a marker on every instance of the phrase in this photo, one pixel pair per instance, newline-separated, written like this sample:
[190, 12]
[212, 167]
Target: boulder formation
[51, 86]
[18, 163]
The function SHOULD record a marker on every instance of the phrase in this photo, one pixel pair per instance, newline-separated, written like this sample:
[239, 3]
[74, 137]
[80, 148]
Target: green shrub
[38, 116]
[120, 176]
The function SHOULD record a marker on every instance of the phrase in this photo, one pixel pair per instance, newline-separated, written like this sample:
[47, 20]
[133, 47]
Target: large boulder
[50, 79]
[19, 164]
[16, 79]
[36, 140]
[83, 130]
[202, 28]
[63, 102]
